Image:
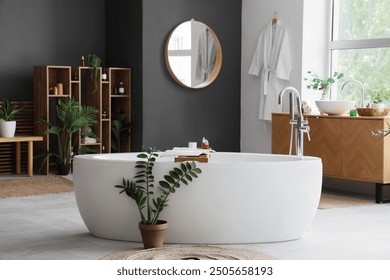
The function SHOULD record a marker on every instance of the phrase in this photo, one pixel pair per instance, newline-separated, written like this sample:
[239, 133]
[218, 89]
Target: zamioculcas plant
[142, 190]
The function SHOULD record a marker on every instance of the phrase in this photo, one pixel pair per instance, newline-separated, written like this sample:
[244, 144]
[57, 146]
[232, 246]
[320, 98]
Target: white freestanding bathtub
[238, 198]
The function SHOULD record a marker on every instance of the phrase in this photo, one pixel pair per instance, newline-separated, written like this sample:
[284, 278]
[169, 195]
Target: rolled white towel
[89, 140]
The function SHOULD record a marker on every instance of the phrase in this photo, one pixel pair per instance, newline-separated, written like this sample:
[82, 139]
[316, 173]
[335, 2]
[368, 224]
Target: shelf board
[119, 95]
[92, 144]
[105, 120]
[105, 82]
[75, 81]
[63, 95]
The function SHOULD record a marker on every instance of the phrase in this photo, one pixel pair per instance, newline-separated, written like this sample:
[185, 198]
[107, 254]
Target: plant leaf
[164, 184]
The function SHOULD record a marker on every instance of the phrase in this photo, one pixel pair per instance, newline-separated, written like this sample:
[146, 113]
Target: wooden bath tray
[201, 158]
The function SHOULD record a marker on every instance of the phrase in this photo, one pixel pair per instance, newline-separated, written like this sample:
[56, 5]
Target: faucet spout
[361, 89]
[299, 124]
[293, 93]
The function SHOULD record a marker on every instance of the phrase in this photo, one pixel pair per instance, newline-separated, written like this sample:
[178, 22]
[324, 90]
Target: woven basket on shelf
[372, 112]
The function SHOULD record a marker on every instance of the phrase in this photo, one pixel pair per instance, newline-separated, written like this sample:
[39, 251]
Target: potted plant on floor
[73, 117]
[150, 203]
[7, 122]
[120, 129]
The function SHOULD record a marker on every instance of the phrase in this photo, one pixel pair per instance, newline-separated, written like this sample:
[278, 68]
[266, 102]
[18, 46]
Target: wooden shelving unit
[77, 83]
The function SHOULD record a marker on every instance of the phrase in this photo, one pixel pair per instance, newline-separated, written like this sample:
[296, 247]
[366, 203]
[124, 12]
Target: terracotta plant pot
[153, 235]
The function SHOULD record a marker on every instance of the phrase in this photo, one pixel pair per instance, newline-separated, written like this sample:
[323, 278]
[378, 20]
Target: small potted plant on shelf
[317, 83]
[150, 203]
[73, 117]
[94, 61]
[7, 114]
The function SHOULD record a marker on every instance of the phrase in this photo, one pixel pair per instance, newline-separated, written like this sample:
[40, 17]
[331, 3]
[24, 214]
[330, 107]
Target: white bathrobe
[206, 56]
[272, 62]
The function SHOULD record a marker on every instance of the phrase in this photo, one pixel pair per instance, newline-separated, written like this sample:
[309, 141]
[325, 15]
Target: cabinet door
[281, 134]
[325, 143]
[362, 154]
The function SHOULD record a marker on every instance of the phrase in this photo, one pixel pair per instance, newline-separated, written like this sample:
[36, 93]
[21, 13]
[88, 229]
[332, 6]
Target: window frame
[335, 45]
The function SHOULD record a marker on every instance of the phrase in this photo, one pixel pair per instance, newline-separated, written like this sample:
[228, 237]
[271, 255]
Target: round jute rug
[189, 252]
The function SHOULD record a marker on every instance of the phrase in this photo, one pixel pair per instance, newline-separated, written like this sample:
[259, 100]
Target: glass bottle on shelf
[75, 78]
[104, 75]
[115, 89]
[121, 89]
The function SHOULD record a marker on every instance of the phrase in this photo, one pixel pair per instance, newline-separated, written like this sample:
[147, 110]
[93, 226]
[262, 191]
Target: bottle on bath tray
[205, 143]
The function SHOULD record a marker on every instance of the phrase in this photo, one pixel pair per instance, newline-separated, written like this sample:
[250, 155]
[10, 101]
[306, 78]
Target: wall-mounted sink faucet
[361, 88]
[299, 125]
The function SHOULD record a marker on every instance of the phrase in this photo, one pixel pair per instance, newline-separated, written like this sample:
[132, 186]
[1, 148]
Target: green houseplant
[315, 82]
[379, 96]
[120, 129]
[94, 61]
[142, 190]
[7, 114]
[73, 117]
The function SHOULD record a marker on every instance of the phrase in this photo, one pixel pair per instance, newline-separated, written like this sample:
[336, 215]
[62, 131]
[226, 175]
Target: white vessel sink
[335, 107]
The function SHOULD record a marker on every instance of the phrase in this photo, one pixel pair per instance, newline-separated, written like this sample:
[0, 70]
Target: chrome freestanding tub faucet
[299, 125]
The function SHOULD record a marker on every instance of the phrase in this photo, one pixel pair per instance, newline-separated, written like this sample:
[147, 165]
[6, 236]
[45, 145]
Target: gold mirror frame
[194, 53]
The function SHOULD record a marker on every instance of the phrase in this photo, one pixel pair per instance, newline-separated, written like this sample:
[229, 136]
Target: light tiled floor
[50, 227]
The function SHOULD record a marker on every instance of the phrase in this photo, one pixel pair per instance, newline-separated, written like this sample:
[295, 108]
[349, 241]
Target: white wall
[256, 14]
[316, 37]
[308, 47]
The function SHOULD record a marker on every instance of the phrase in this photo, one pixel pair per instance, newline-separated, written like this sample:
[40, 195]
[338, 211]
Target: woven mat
[37, 185]
[189, 252]
[336, 199]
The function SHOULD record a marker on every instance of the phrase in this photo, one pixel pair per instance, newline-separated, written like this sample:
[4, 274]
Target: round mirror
[193, 54]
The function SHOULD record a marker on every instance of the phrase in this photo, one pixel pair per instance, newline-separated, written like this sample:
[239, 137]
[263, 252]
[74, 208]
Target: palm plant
[120, 128]
[73, 117]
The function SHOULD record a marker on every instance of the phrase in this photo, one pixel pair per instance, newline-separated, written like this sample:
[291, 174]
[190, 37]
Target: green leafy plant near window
[317, 83]
[94, 61]
[379, 96]
[141, 188]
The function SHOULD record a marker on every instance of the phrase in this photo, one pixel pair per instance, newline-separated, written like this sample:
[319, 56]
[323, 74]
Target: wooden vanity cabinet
[345, 144]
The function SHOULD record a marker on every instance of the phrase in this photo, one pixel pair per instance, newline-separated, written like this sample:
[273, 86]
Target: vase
[380, 107]
[153, 235]
[324, 96]
[7, 129]
[63, 169]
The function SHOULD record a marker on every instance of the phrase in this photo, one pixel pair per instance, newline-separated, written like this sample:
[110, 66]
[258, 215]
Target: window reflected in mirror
[193, 54]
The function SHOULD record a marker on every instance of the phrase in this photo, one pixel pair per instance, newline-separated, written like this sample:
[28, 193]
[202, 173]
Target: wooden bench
[17, 140]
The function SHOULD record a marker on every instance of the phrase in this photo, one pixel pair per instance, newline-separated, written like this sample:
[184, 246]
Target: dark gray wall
[124, 49]
[172, 115]
[45, 32]
[58, 32]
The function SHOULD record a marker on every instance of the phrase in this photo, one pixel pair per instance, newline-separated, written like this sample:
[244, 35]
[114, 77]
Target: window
[360, 46]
